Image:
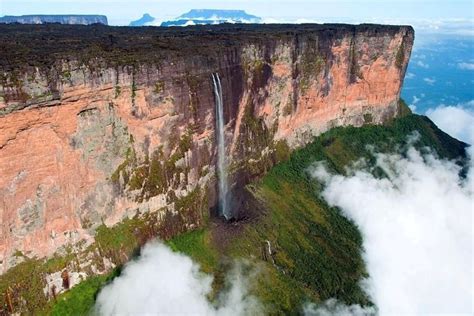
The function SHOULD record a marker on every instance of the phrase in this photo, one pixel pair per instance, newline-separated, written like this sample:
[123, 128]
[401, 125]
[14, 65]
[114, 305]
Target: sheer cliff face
[86, 143]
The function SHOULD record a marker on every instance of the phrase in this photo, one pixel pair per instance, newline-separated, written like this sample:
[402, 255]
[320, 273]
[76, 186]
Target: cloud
[410, 75]
[422, 64]
[414, 102]
[456, 120]
[466, 66]
[429, 81]
[334, 308]
[417, 231]
[165, 282]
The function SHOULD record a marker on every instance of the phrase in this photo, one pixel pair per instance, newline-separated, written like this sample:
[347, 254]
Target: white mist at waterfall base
[163, 282]
[417, 230]
[221, 152]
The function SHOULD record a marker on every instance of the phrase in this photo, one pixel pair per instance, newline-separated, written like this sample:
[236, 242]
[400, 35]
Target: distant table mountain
[209, 16]
[144, 20]
[62, 19]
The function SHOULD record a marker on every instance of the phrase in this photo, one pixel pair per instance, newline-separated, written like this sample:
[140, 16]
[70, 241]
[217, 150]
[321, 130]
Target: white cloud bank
[466, 66]
[333, 307]
[422, 64]
[162, 282]
[417, 231]
[430, 81]
[456, 120]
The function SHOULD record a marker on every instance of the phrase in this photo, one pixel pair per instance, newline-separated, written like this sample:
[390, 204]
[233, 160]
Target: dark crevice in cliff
[354, 74]
[404, 53]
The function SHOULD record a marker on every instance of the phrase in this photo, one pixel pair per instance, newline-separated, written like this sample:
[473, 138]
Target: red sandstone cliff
[86, 143]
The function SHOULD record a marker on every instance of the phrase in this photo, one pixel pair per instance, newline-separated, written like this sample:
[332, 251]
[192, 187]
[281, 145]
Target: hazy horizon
[121, 12]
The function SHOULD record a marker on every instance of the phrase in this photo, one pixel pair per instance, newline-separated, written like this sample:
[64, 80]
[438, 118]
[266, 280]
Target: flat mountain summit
[200, 17]
[61, 19]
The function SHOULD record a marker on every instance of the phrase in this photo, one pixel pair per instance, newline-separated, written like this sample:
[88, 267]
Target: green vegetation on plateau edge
[317, 251]
[80, 299]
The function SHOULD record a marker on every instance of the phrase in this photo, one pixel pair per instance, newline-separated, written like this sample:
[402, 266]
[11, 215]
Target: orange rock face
[111, 143]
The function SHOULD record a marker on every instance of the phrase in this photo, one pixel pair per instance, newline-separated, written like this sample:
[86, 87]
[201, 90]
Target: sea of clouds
[456, 120]
[417, 227]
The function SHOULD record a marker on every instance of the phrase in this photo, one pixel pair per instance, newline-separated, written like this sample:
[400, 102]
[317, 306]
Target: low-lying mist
[162, 282]
[417, 224]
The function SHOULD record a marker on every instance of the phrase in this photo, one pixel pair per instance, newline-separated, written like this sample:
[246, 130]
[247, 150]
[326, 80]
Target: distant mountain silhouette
[210, 16]
[144, 20]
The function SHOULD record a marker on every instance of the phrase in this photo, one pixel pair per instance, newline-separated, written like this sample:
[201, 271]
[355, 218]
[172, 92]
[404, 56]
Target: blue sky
[123, 11]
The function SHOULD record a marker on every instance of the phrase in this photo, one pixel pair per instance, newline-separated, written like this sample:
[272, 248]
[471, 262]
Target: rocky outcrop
[62, 19]
[119, 123]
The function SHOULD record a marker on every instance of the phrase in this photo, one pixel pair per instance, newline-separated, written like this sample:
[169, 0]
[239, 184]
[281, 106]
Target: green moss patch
[198, 245]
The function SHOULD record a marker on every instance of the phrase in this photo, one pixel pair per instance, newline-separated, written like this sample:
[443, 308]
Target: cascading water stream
[221, 154]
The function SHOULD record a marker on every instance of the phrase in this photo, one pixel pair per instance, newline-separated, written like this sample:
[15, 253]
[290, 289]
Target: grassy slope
[317, 250]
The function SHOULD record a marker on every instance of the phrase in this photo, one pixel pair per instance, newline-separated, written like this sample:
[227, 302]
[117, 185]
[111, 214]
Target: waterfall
[221, 153]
